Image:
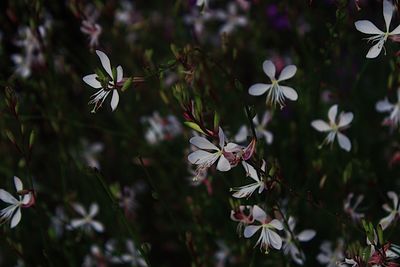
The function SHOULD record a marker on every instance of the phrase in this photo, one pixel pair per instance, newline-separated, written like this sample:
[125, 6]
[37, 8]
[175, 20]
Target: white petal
[287, 73]
[289, 92]
[345, 119]
[201, 156]
[385, 222]
[395, 31]
[366, 26]
[306, 235]
[332, 113]
[269, 69]
[276, 224]
[375, 50]
[120, 73]
[7, 197]
[94, 209]
[18, 184]
[344, 142]
[223, 164]
[75, 223]
[221, 136]
[384, 105]
[250, 230]
[92, 81]
[388, 9]
[114, 100]
[245, 191]
[250, 171]
[97, 226]
[321, 126]
[26, 198]
[105, 62]
[259, 214]
[274, 239]
[79, 209]
[395, 199]
[259, 89]
[16, 218]
[269, 137]
[202, 143]
[242, 134]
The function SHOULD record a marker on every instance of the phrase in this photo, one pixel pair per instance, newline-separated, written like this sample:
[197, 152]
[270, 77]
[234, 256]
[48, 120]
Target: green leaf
[194, 126]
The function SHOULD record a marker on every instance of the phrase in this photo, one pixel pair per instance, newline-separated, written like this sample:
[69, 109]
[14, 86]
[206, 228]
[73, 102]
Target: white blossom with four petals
[104, 89]
[260, 128]
[378, 37]
[385, 106]
[87, 221]
[276, 93]
[334, 127]
[268, 237]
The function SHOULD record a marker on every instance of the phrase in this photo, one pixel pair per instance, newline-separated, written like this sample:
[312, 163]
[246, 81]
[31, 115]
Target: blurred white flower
[12, 213]
[333, 127]
[161, 128]
[276, 92]
[132, 256]
[90, 153]
[205, 159]
[268, 237]
[223, 254]
[393, 211]
[247, 190]
[385, 106]
[87, 222]
[58, 221]
[379, 37]
[105, 84]
[231, 19]
[202, 3]
[197, 20]
[290, 246]
[350, 208]
[93, 31]
[329, 257]
[260, 128]
[95, 258]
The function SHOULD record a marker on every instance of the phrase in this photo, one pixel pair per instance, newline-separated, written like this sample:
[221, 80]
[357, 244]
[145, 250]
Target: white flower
[394, 109]
[131, 257]
[247, 190]
[290, 247]
[268, 237]
[231, 19]
[379, 37]
[204, 158]
[350, 208]
[109, 84]
[92, 30]
[90, 153]
[204, 3]
[334, 127]
[12, 213]
[276, 92]
[393, 211]
[260, 128]
[87, 222]
[161, 128]
[329, 257]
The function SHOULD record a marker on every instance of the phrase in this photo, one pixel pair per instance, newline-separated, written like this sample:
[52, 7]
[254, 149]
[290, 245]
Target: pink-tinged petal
[201, 156]
[395, 31]
[259, 214]
[384, 105]
[269, 69]
[306, 235]
[79, 209]
[388, 9]
[94, 209]
[250, 230]
[366, 26]
[345, 119]
[332, 113]
[289, 92]
[250, 171]
[259, 89]
[97, 226]
[395, 199]
[221, 136]
[385, 222]
[7, 197]
[76, 223]
[92, 81]
[16, 218]
[202, 143]
[18, 184]
[287, 73]
[223, 164]
[274, 239]
[232, 147]
[120, 74]
[321, 126]
[26, 198]
[375, 50]
[105, 62]
[114, 100]
[344, 142]
[276, 224]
